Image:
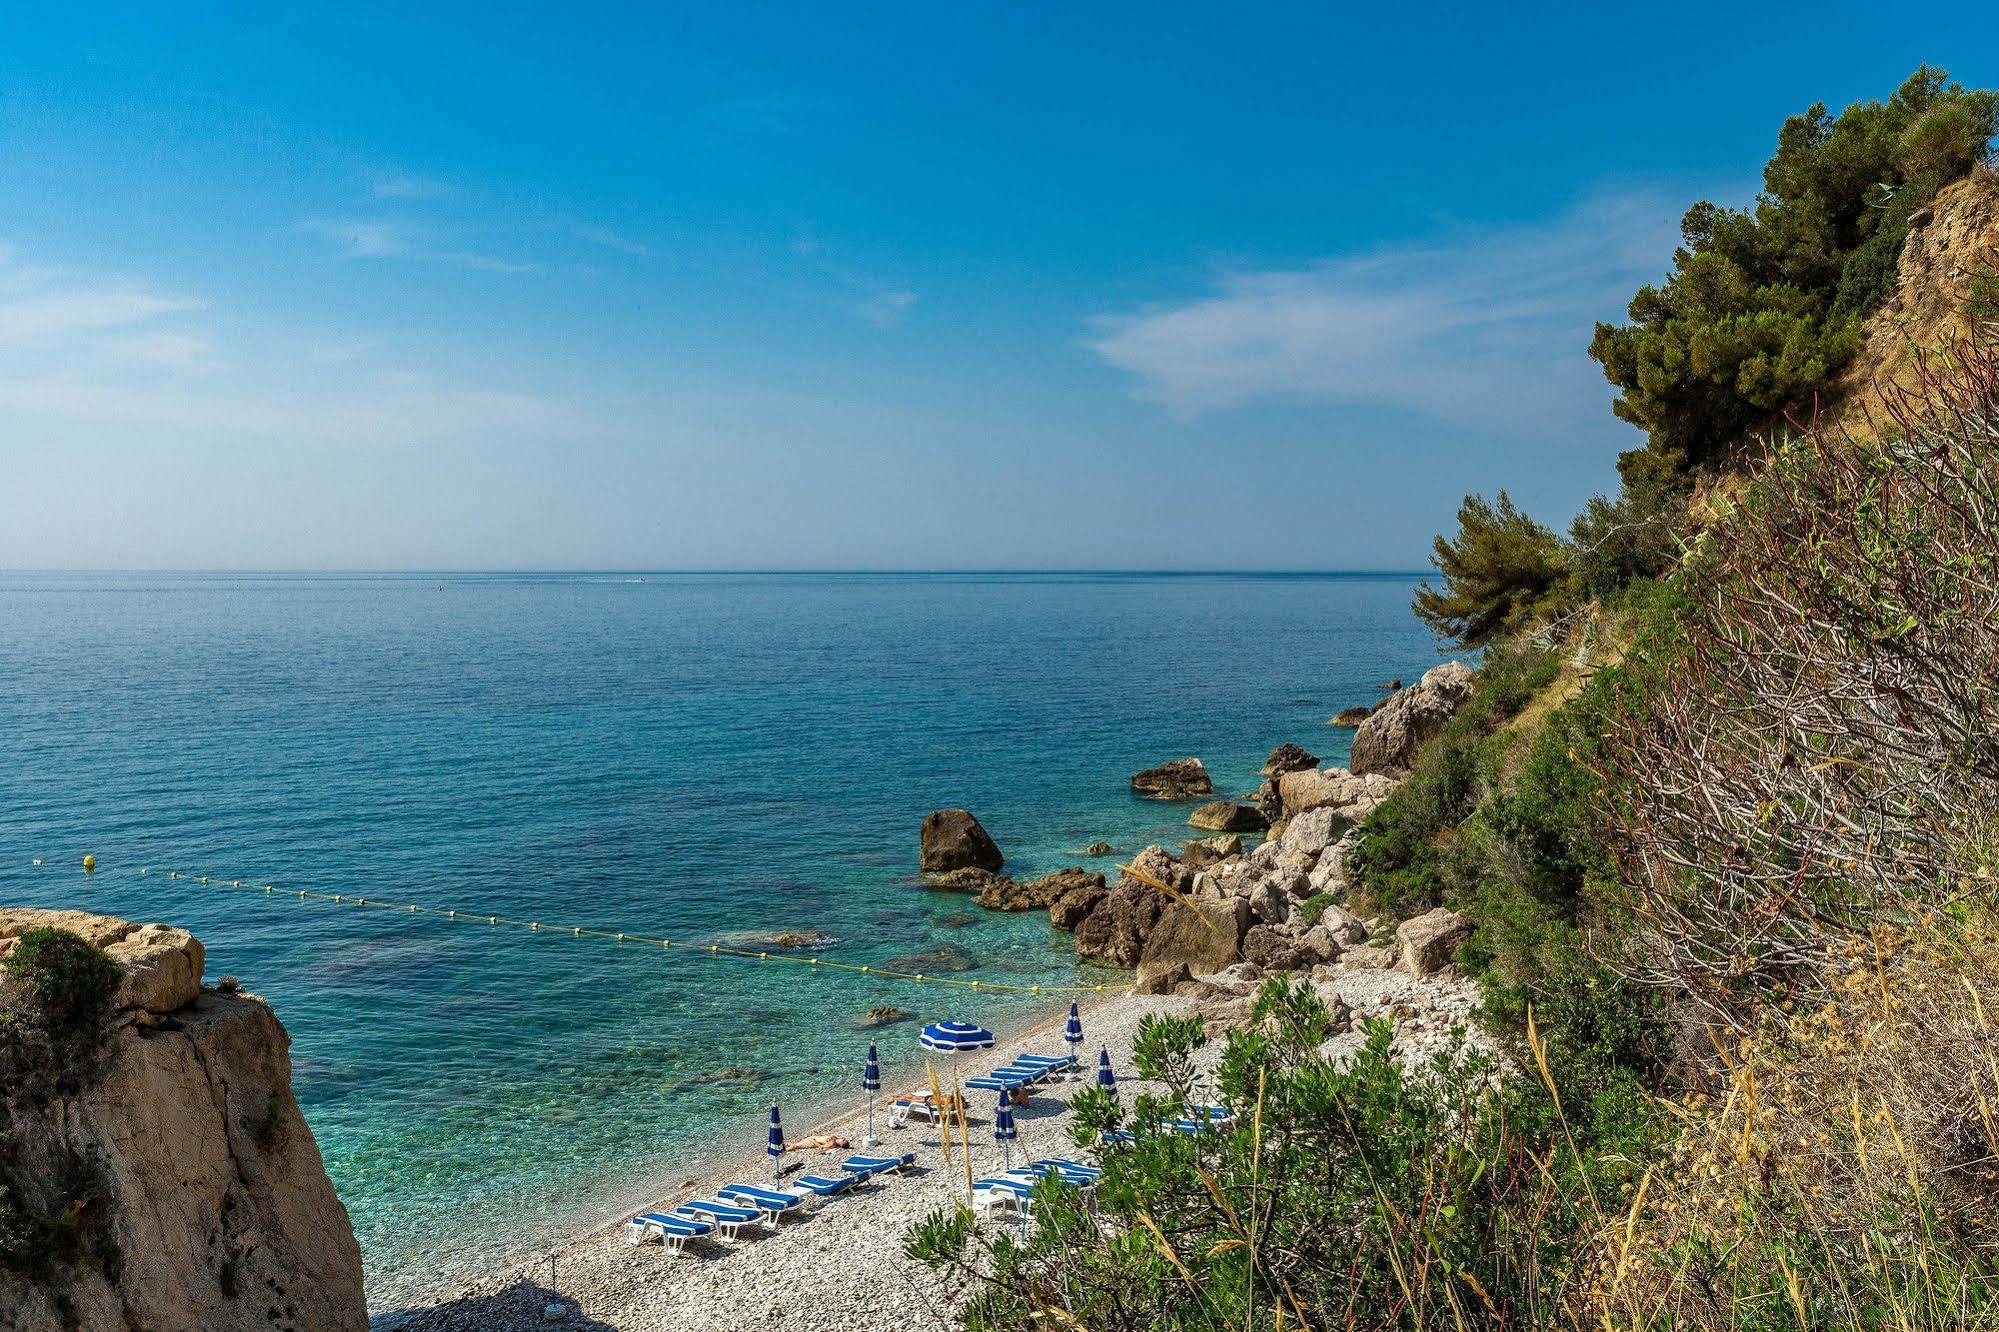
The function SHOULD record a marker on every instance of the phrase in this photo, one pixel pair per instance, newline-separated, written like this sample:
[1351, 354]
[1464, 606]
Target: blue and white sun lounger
[1006, 1079]
[673, 1231]
[863, 1166]
[821, 1187]
[726, 1217]
[1062, 1065]
[1069, 1172]
[1003, 1191]
[772, 1201]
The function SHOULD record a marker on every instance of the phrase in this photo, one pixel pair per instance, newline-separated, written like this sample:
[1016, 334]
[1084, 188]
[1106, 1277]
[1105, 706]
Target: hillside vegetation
[1722, 809]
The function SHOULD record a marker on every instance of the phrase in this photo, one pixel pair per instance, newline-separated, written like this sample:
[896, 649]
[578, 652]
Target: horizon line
[332, 572]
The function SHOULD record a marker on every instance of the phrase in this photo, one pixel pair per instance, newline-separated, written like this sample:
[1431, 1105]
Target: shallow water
[687, 754]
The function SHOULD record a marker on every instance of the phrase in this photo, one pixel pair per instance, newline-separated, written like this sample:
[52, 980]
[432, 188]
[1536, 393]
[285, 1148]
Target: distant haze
[885, 287]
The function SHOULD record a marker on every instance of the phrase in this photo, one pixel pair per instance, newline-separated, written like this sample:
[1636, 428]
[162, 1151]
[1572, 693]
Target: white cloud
[404, 185]
[1470, 328]
[611, 240]
[887, 309]
[80, 349]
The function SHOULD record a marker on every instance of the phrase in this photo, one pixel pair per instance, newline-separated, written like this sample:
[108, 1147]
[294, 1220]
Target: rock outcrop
[1429, 942]
[1181, 779]
[1350, 717]
[1352, 795]
[1387, 742]
[1227, 816]
[206, 1195]
[1288, 758]
[1004, 894]
[952, 839]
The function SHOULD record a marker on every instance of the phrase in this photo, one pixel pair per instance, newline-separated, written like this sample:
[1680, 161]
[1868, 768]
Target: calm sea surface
[688, 755]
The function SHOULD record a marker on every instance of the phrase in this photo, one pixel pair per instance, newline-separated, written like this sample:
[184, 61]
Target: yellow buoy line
[662, 942]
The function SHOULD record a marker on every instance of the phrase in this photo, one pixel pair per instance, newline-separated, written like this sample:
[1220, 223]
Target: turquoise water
[688, 755]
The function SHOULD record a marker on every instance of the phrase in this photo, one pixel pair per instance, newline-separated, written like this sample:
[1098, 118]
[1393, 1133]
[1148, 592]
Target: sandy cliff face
[209, 1205]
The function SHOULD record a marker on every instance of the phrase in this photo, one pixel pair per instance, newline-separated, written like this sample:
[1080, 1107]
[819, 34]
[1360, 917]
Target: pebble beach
[841, 1265]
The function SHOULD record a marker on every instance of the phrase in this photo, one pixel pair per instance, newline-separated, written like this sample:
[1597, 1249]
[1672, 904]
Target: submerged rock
[1100, 849]
[884, 1017]
[1180, 779]
[967, 880]
[776, 941]
[952, 839]
[941, 960]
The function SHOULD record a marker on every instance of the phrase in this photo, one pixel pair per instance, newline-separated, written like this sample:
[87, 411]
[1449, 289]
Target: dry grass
[1842, 1170]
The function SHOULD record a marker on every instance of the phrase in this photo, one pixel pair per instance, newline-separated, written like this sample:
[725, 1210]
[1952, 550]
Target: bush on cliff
[1500, 573]
[67, 981]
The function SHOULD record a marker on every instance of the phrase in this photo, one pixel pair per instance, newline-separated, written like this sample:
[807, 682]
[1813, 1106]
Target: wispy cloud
[887, 309]
[82, 348]
[611, 240]
[405, 185]
[374, 238]
[1471, 327]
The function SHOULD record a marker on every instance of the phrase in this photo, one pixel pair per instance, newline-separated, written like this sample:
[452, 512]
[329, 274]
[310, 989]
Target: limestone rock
[217, 1201]
[1343, 925]
[1429, 942]
[969, 879]
[1201, 853]
[1388, 741]
[1312, 831]
[1005, 894]
[1272, 950]
[1350, 717]
[1100, 849]
[1227, 816]
[1353, 795]
[952, 839]
[1074, 907]
[1205, 933]
[1161, 977]
[161, 965]
[1177, 780]
[1318, 944]
[1288, 758]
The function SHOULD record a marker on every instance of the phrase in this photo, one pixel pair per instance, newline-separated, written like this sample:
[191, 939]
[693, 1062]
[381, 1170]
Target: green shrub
[67, 981]
[1500, 573]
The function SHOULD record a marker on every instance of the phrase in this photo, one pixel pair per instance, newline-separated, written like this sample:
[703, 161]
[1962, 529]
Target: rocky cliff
[167, 1181]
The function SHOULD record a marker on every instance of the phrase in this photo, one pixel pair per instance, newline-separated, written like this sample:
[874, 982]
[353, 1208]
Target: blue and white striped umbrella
[1073, 1032]
[776, 1148]
[1105, 1078]
[871, 1082]
[955, 1037]
[1003, 1130]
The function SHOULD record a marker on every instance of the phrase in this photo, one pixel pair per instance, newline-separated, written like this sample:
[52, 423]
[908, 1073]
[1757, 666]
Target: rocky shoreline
[1200, 927]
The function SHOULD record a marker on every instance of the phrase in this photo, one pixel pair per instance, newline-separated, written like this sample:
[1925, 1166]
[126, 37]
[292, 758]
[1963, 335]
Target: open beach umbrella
[955, 1036]
[1105, 1078]
[776, 1148]
[1003, 1130]
[871, 1082]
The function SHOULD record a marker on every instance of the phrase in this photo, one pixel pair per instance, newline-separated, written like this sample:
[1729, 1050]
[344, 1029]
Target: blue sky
[849, 286]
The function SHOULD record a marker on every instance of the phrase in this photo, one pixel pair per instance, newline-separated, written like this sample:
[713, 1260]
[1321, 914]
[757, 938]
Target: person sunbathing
[818, 1142]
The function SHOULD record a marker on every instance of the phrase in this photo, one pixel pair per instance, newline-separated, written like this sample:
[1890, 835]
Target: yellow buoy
[89, 863]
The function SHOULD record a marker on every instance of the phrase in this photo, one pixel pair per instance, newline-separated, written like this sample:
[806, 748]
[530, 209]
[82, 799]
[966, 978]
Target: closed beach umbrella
[871, 1082]
[1003, 1130]
[1105, 1078]
[776, 1148]
[1073, 1031]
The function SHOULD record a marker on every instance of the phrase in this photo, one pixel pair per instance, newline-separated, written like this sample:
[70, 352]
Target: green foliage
[1762, 308]
[67, 981]
[1364, 1195]
[1402, 863]
[1499, 573]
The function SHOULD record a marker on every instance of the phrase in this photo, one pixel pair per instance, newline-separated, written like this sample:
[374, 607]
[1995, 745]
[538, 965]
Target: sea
[702, 757]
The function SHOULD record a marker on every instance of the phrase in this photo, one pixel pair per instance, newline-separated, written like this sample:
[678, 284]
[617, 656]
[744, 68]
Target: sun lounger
[727, 1218]
[1011, 1081]
[821, 1187]
[1003, 1191]
[1068, 1166]
[1061, 1065]
[923, 1106]
[863, 1166]
[774, 1201]
[673, 1231]
[1069, 1172]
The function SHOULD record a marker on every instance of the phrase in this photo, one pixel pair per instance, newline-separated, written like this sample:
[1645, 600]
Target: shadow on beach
[517, 1306]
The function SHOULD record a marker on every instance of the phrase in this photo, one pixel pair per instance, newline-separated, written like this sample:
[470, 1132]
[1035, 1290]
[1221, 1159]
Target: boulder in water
[1288, 758]
[952, 839]
[1181, 779]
